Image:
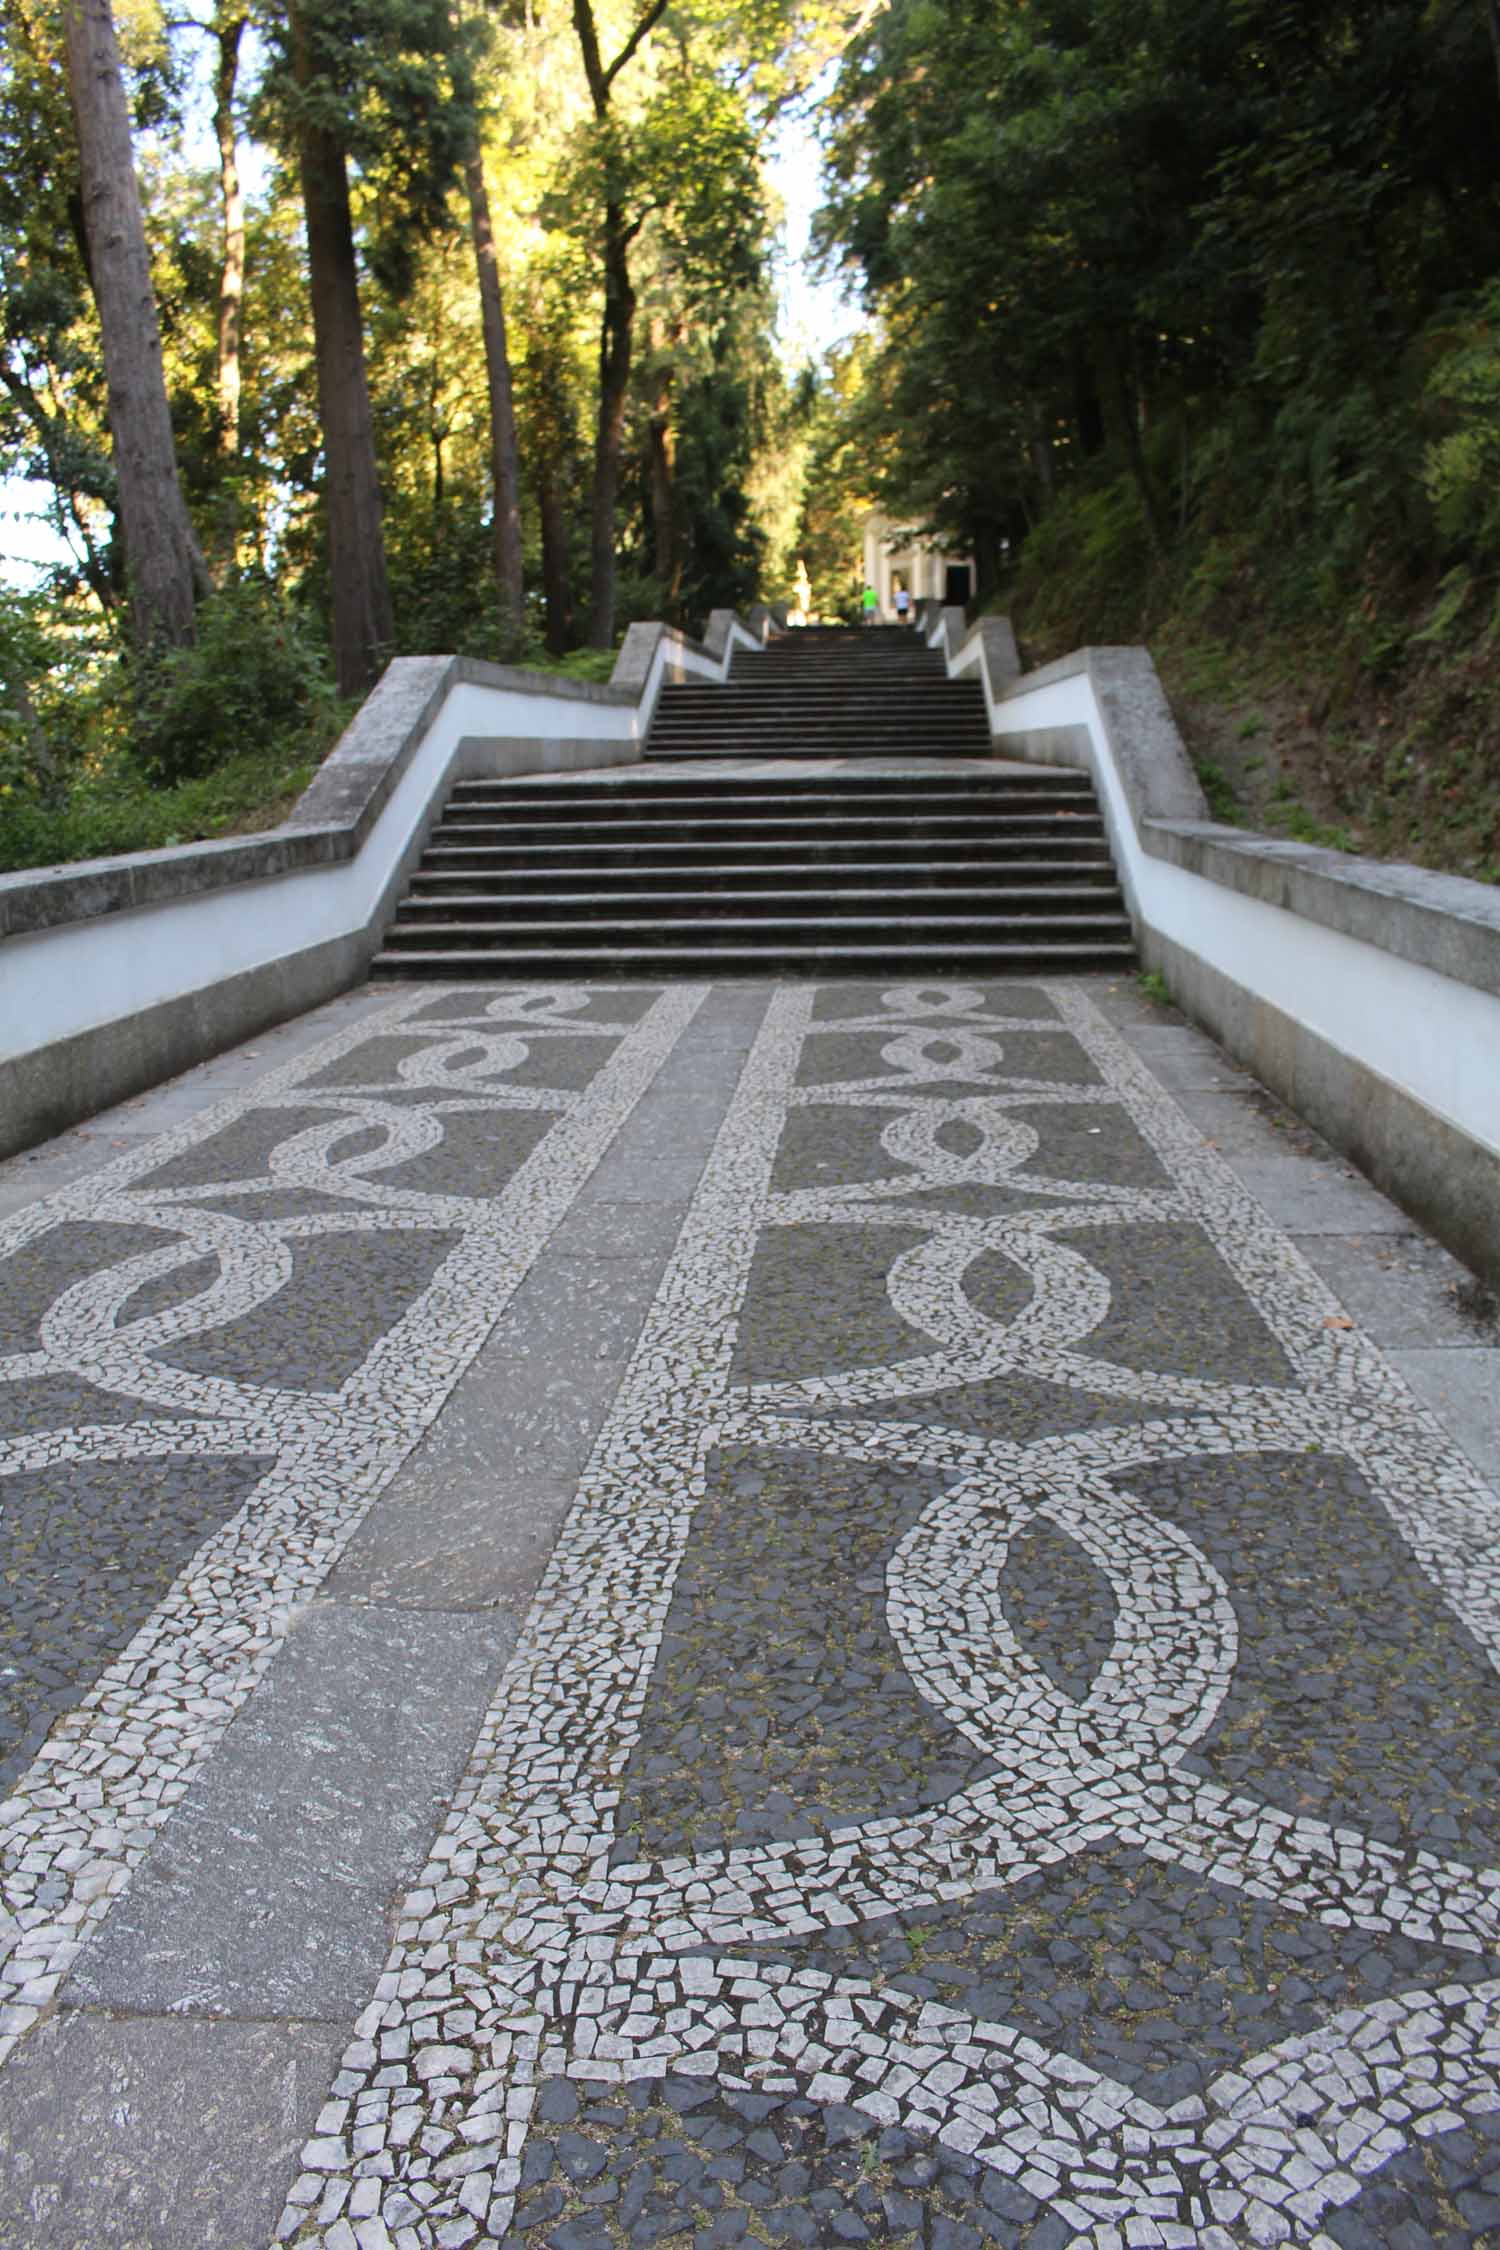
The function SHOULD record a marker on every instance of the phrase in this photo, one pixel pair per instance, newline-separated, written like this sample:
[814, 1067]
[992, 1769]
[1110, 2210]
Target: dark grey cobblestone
[819, 1150]
[1175, 1306]
[861, 1055]
[672, 2160]
[1356, 1689]
[856, 999]
[779, 1705]
[34, 1278]
[85, 1554]
[1160, 1978]
[810, 1283]
[344, 1293]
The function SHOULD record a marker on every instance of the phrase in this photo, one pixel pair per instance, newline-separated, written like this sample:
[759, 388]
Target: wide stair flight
[870, 693]
[905, 850]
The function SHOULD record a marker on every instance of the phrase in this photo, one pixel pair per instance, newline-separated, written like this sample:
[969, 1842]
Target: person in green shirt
[869, 604]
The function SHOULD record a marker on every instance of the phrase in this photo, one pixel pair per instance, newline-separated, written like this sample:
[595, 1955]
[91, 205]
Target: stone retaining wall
[1366, 995]
[117, 973]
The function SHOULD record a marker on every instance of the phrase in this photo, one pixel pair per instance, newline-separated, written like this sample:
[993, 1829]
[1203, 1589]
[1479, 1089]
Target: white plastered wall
[75, 977]
[1432, 1036]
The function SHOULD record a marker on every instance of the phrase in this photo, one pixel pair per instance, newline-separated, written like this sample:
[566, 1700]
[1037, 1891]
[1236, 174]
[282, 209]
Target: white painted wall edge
[1435, 1037]
[74, 977]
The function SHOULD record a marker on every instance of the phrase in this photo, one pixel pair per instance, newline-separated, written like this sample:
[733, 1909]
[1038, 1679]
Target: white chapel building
[895, 556]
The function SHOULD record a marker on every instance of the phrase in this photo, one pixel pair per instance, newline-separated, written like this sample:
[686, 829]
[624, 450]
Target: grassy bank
[1358, 708]
[91, 794]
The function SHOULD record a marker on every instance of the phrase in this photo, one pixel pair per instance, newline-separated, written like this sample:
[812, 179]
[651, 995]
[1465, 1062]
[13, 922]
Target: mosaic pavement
[1005, 1748]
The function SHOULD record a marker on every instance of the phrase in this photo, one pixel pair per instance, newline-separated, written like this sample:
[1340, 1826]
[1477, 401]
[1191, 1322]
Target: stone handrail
[1366, 994]
[116, 973]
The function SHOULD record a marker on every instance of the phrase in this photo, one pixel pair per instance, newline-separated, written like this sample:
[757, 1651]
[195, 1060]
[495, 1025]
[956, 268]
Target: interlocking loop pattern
[528, 1952]
[80, 1819]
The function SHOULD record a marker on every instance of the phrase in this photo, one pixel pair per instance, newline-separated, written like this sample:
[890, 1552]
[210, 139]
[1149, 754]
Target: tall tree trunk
[504, 458]
[662, 442]
[228, 32]
[363, 622]
[1128, 398]
[619, 315]
[556, 589]
[1492, 11]
[165, 567]
[615, 339]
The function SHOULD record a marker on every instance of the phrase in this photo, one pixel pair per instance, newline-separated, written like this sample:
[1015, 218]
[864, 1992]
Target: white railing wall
[115, 974]
[1366, 995]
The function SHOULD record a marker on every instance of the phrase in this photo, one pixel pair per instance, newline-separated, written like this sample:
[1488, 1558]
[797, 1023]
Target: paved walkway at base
[719, 1614]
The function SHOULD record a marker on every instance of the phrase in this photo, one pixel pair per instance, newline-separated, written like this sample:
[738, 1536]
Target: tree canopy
[467, 332]
[1213, 246]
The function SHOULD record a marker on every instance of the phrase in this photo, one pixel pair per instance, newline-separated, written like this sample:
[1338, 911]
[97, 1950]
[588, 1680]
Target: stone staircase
[837, 812]
[872, 692]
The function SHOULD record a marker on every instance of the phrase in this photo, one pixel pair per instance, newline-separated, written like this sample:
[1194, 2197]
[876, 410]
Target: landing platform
[741, 1612]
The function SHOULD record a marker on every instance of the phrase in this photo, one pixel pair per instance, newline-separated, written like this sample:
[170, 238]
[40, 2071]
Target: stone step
[834, 958]
[978, 876]
[835, 851]
[862, 681]
[800, 719]
[907, 739]
[498, 804]
[803, 929]
[866, 697]
[724, 828]
[982, 903]
[640, 785]
[815, 793]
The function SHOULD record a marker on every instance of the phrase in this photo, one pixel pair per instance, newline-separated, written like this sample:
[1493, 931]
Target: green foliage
[1090, 560]
[32, 760]
[393, 82]
[100, 755]
[442, 580]
[1160, 275]
[1461, 470]
[721, 545]
[1219, 790]
[122, 813]
[1295, 821]
[256, 678]
[595, 664]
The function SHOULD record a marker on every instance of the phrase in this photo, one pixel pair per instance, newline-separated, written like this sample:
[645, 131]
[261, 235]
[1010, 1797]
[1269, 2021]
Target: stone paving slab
[806, 1621]
[1461, 1384]
[269, 1891]
[1407, 1291]
[156, 2132]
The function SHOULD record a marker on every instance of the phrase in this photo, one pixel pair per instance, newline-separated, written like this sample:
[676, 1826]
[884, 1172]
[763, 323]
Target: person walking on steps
[869, 604]
[903, 606]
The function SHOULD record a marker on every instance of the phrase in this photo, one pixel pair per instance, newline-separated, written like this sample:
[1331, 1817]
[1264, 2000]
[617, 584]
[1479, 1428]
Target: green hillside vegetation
[1188, 320]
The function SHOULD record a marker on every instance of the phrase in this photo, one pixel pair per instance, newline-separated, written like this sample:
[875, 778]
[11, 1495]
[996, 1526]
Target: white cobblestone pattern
[88, 1807]
[525, 1953]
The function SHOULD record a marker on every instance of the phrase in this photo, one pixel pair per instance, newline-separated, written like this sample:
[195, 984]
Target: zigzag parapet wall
[1366, 995]
[118, 973]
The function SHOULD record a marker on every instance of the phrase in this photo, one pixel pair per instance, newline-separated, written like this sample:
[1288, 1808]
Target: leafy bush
[1084, 569]
[1461, 468]
[256, 678]
[117, 812]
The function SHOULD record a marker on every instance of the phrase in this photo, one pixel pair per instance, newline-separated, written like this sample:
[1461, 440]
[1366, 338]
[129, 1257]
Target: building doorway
[956, 586]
